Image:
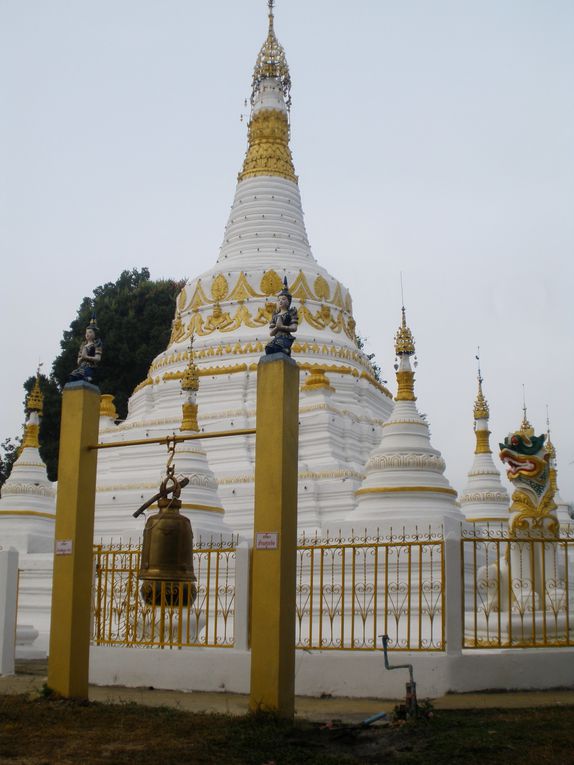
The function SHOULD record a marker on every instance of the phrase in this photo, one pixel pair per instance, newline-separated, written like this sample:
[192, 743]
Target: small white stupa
[28, 505]
[564, 510]
[200, 499]
[405, 483]
[484, 498]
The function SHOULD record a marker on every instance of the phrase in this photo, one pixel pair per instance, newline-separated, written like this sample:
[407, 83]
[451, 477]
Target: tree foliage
[134, 316]
[8, 453]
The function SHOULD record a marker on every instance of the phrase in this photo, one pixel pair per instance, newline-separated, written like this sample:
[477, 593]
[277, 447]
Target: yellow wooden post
[275, 537]
[68, 661]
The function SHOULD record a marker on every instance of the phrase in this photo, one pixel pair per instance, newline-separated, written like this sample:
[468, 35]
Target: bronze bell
[167, 553]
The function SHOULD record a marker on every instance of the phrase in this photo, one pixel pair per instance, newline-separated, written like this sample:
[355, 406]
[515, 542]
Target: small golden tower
[404, 349]
[190, 386]
[34, 408]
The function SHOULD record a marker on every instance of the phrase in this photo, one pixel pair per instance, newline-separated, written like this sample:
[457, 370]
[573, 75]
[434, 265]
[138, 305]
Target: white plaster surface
[340, 673]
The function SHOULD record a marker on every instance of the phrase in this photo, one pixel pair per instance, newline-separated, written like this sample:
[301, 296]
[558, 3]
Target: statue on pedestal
[283, 324]
[89, 355]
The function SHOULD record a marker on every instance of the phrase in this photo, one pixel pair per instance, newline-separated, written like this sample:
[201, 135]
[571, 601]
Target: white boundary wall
[8, 608]
[339, 673]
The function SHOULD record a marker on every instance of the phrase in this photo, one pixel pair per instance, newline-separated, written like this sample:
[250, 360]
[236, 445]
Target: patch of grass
[60, 731]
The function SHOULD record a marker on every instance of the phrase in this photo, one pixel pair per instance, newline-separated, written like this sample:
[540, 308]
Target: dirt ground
[35, 730]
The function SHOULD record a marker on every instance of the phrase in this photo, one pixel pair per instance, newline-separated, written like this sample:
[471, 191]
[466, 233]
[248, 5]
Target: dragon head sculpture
[527, 467]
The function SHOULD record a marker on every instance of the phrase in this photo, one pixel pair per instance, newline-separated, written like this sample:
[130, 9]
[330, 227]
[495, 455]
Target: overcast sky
[430, 137]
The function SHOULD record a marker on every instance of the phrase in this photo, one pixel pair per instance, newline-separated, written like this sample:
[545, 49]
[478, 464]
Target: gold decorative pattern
[525, 427]
[31, 432]
[317, 380]
[338, 297]
[402, 489]
[189, 420]
[107, 408]
[527, 515]
[190, 378]
[181, 298]
[300, 288]
[404, 340]
[271, 283]
[268, 152]
[482, 442]
[198, 298]
[143, 384]
[243, 290]
[35, 513]
[177, 330]
[481, 411]
[405, 382]
[322, 288]
[206, 508]
[271, 62]
[35, 399]
[219, 287]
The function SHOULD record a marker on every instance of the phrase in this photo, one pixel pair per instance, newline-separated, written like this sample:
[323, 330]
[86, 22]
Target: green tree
[134, 316]
[8, 453]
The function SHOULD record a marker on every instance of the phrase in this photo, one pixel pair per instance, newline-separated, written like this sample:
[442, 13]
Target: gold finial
[190, 386]
[271, 62]
[190, 380]
[268, 151]
[35, 407]
[525, 427]
[549, 446]
[481, 411]
[404, 340]
[35, 399]
[404, 348]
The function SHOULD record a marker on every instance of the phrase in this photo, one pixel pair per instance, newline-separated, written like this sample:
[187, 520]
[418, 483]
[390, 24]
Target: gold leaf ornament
[271, 283]
[219, 287]
[322, 288]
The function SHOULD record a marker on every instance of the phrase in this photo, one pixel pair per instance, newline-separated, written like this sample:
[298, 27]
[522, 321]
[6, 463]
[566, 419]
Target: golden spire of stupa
[551, 451]
[404, 348]
[549, 446]
[271, 62]
[404, 340]
[34, 407]
[481, 415]
[190, 386]
[525, 427]
[268, 151]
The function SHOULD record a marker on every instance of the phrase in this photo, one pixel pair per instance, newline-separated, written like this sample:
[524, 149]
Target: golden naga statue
[528, 468]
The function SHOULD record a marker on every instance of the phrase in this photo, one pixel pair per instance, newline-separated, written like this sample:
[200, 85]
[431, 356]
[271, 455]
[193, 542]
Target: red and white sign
[63, 546]
[267, 540]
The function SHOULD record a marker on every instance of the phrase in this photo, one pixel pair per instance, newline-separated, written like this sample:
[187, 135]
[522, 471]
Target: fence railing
[121, 615]
[351, 591]
[518, 590]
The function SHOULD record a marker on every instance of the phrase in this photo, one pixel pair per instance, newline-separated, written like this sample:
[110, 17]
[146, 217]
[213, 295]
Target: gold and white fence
[352, 591]
[349, 593]
[508, 592]
[518, 590]
[121, 617]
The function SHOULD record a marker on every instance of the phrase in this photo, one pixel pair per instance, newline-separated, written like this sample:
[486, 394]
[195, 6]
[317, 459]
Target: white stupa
[405, 483]
[227, 310]
[484, 498]
[564, 509]
[28, 505]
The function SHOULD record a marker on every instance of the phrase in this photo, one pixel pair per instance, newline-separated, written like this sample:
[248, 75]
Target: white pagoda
[28, 504]
[227, 310]
[484, 498]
